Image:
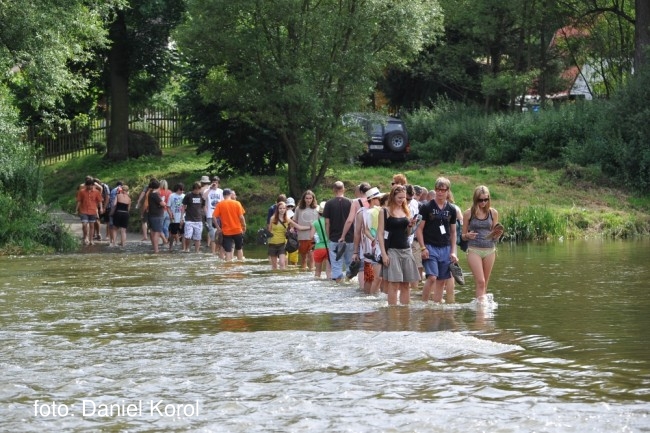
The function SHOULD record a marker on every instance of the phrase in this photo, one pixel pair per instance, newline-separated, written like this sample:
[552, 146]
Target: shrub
[533, 223]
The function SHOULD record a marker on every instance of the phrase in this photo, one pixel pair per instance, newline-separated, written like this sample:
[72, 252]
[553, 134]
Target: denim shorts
[87, 218]
[437, 264]
[156, 223]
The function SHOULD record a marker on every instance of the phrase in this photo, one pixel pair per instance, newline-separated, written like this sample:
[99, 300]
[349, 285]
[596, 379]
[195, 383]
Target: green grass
[534, 203]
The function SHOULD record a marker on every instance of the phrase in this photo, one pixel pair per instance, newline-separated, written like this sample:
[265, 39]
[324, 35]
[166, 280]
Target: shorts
[402, 268]
[320, 255]
[156, 223]
[121, 219]
[305, 247]
[174, 228]
[276, 250]
[87, 218]
[230, 240]
[105, 217]
[193, 230]
[212, 230]
[437, 265]
[368, 272]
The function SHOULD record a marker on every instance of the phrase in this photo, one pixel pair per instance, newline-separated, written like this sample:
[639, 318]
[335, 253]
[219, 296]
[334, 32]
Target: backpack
[459, 238]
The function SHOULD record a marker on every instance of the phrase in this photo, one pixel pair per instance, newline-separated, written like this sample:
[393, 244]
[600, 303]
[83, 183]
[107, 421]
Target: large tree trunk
[293, 165]
[118, 143]
[641, 33]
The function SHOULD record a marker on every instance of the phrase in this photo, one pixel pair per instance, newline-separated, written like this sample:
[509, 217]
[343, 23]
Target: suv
[387, 136]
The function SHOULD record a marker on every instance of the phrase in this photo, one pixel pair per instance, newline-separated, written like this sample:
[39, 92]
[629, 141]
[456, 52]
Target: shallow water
[128, 341]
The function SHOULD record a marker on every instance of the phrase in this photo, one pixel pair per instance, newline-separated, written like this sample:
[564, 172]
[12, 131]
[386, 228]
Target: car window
[375, 129]
[394, 126]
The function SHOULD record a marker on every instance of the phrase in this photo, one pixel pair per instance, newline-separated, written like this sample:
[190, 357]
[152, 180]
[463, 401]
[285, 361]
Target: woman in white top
[305, 215]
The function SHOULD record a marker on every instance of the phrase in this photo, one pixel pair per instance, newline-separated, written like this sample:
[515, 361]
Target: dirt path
[74, 224]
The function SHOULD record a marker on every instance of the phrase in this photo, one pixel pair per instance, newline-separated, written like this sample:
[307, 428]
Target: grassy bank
[534, 203]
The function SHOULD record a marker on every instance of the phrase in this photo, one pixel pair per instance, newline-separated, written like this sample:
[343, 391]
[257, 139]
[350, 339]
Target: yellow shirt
[279, 236]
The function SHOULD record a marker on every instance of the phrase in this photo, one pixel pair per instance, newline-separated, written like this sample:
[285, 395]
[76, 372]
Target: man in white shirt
[212, 196]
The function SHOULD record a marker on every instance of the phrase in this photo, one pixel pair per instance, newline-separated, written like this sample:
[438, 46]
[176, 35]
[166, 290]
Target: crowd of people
[169, 216]
[390, 242]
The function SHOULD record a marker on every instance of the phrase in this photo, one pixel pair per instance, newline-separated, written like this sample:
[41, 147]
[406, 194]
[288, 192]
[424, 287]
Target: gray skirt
[402, 268]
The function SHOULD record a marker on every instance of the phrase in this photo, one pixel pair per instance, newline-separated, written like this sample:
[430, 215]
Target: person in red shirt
[230, 213]
[89, 206]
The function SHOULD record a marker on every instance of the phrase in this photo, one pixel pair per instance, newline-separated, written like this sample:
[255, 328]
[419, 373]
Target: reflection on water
[192, 344]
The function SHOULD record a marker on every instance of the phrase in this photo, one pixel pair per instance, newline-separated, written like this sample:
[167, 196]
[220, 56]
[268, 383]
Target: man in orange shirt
[230, 213]
[89, 202]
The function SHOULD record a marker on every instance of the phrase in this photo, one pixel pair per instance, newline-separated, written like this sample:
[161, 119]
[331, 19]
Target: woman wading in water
[480, 231]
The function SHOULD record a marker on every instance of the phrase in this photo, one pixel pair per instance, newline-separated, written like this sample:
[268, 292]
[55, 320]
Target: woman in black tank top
[393, 232]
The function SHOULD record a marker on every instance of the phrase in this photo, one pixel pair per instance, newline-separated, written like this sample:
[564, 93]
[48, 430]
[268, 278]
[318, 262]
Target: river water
[125, 340]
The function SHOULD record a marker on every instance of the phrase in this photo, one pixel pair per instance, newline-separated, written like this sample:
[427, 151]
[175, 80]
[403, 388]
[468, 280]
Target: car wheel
[396, 141]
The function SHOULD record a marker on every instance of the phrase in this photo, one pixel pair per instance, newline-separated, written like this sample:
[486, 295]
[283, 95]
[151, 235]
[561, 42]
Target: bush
[533, 223]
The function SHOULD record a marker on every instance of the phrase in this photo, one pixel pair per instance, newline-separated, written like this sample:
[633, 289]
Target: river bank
[535, 203]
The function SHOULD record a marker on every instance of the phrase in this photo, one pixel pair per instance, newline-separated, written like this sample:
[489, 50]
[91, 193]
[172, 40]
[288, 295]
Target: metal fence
[84, 138]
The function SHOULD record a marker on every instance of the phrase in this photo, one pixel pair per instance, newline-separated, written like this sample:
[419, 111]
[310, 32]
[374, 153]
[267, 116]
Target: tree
[641, 33]
[139, 60]
[297, 65]
[38, 50]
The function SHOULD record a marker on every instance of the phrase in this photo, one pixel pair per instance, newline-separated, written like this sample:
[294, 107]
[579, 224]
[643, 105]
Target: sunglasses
[483, 200]
[442, 189]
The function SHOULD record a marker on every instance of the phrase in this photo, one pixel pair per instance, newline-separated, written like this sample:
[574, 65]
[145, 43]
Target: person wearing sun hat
[365, 242]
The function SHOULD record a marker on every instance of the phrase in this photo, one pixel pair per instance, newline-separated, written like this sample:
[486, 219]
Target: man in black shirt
[336, 213]
[437, 234]
[192, 218]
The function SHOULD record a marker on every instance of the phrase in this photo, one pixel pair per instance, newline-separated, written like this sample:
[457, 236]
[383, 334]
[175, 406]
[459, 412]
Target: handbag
[292, 240]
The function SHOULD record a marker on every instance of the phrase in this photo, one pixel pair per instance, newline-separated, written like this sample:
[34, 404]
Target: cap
[205, 179]
[321, 206]
[291, 202]
[373, 193]
[227, 191]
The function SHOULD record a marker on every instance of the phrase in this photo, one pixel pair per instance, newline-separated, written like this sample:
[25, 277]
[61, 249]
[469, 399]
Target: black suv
[387, 136]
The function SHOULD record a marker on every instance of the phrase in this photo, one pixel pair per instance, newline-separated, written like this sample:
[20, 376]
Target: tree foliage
[296, 66]
[41, 42]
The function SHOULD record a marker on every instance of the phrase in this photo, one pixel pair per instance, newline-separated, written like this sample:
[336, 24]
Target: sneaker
[353, 270]
[496, 232]
[340, 250]
[457, 273]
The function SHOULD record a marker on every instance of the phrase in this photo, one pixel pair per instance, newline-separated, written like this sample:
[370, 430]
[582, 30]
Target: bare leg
[450, 293]
[429, 284]
[91, 233]
[374, 288]
[85, 230]
[438, 288]
[155, 238]
[481, 269]
[404, 293]
[392, 293]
